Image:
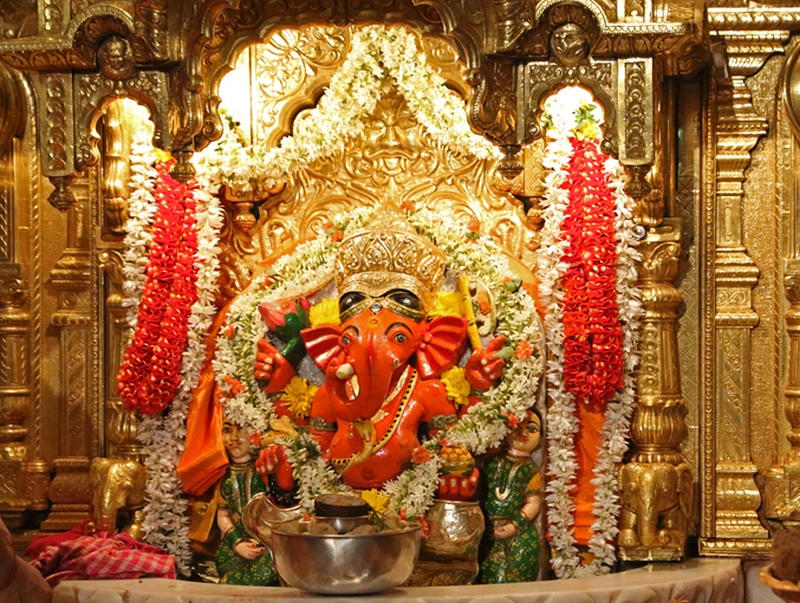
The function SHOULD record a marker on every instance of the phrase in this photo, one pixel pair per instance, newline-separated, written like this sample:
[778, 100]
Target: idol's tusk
[345, 371]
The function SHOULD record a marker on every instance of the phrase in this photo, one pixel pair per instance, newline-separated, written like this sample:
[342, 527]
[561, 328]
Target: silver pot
[456, 529]
[260, 515]
[333, 564]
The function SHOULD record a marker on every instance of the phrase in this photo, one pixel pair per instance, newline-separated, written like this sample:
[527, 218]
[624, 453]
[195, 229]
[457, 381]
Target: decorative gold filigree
[151, 25]
[94, 92]
[56, 134]
[75, 46]
[636, 112]
[74, 280]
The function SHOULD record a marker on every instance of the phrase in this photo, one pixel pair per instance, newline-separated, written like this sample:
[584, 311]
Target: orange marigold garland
[593, 358]
[150, 370]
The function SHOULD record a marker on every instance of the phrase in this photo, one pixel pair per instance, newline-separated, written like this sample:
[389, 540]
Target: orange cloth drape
[204, 458]
[587, 447]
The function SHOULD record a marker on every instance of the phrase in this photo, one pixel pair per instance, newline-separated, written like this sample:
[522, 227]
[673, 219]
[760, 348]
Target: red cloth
[104, 555]
[40, 543]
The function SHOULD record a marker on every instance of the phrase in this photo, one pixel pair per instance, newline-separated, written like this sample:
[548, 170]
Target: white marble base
[755, 590]
[697, 581]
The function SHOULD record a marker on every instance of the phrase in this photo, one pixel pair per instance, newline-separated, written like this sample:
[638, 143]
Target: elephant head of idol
[387, 276]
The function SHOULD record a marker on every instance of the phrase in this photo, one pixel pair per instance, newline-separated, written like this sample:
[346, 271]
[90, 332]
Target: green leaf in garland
[506, 352]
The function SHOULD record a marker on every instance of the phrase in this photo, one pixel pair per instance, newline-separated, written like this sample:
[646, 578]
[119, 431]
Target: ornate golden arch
[393, 159]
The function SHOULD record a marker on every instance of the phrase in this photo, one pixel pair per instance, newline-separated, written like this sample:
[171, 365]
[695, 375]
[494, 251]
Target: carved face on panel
[115, 60]
[569, 44]
[391, 136]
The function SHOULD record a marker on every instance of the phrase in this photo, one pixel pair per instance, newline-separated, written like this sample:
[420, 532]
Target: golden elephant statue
[116, 484]
[656, 505]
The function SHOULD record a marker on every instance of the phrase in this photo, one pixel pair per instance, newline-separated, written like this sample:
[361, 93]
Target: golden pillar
[74, 281]
[656, 483]
[118, 482]
[14, 392]
[730, 521]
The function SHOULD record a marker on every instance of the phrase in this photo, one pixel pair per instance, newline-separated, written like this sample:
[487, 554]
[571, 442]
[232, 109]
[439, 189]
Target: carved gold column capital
[656, 482]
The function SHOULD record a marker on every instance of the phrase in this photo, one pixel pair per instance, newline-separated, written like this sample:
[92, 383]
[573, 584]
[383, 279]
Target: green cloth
[242, 482]
[514, 559]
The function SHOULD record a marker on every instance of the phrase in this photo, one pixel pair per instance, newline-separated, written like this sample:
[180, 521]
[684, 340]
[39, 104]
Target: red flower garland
[150, 372]
[593, 359]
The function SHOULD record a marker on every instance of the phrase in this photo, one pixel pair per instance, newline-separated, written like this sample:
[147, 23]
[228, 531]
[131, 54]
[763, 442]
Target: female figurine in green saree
[240, 559]
[512, 505]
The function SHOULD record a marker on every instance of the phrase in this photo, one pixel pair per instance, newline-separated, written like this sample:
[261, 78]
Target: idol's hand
[483, 368]
[272, 371]
[249, 549]
[273, 461]
[507, 530]
[458, 487]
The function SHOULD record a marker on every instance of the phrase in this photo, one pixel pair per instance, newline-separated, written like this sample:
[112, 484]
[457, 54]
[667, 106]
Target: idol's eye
[405, 298]
[400, 338]
[346, 340]
[348, 300]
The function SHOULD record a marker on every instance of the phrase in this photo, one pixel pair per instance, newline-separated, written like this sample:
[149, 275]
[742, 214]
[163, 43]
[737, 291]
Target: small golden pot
[456, 529]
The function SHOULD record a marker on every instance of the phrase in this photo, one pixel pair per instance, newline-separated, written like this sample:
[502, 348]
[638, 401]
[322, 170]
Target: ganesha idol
[382, 364]
[370, 384]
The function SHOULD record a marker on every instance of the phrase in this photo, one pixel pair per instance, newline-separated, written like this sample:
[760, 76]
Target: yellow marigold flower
[162, 156]
[325, 312]
[588, 131]
[447, 304]
[457, 386]
[377, 500]
[298, 395]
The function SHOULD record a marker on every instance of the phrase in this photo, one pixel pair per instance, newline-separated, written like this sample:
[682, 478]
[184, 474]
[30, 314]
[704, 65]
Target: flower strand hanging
[587, 284]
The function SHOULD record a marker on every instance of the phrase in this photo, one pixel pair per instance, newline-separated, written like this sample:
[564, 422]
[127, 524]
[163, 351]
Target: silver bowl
[344, 524]
[334, 564]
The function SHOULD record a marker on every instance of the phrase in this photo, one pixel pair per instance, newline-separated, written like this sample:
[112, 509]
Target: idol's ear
[442, 345]
[322, 343]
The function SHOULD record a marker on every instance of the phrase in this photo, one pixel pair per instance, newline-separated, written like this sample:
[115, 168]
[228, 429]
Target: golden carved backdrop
[703, 101]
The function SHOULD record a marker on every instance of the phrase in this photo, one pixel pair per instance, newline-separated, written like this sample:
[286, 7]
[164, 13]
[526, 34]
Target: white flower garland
[562, 423]
[166, 522]
[301, 272]
[141, 211]
[379, 57]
